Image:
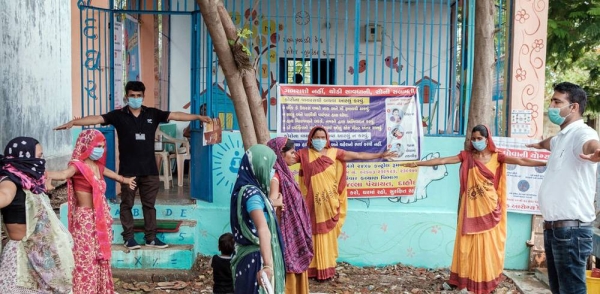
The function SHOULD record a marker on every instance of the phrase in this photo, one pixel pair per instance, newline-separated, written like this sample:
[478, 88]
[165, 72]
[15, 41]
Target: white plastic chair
[181, 154]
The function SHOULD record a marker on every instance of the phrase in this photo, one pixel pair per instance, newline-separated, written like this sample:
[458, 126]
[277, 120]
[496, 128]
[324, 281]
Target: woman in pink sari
[89, 214]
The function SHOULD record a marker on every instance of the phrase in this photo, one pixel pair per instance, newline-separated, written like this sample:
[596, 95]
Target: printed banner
[132, 48]
[522, 183]
[359, 119]
[118, 64]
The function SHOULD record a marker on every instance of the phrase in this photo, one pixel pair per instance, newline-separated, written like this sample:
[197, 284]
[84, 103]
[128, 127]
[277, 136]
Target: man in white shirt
[566, 195]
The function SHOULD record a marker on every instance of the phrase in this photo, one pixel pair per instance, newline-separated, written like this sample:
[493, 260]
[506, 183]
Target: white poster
[522, 183]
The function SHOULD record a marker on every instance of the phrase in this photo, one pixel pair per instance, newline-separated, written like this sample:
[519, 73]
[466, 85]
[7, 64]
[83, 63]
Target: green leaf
[244, 33]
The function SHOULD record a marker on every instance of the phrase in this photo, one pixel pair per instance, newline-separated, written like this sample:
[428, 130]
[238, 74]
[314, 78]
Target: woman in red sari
[89, 214]
[478, 258]
[323, 184]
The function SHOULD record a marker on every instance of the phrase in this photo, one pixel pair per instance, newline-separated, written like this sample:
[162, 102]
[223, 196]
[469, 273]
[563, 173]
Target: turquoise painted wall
[380, 231]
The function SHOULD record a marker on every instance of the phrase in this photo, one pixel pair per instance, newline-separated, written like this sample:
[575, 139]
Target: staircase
[183, 240]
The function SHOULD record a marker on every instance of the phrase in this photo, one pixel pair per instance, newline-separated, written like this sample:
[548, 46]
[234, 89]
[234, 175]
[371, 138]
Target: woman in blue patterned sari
[254, 226]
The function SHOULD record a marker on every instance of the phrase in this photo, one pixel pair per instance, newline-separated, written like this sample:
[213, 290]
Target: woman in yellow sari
[478, 258]
[323, 184]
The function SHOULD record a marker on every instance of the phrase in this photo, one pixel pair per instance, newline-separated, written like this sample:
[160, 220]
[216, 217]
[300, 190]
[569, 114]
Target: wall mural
[266, 33]
[528, 65]
[227, 158]
[427, 174]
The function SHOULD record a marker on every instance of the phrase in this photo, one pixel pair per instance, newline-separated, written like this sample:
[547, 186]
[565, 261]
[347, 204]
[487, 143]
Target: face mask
[135, 102]
[319, 144]
[554, 115]
[97, 153]
[479, 145]
[272, 174]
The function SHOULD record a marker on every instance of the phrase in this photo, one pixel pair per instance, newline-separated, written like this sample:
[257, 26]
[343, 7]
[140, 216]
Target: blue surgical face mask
[479, 145]
[135, 102]
[319, 144]
[97, 153]
[272, 174]
[554, 115]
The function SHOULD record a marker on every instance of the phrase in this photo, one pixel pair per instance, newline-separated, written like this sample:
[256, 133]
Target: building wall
[379, 231]
[415, 44]
[35, 58]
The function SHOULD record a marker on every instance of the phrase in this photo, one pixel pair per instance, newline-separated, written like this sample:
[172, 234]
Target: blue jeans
[567, 251]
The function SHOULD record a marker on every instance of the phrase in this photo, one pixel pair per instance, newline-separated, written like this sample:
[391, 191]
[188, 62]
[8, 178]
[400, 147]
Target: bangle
[267, 266]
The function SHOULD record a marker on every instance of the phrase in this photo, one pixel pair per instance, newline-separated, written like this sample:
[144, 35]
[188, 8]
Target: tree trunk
[208, 9]
[481, 108]
[249, 81]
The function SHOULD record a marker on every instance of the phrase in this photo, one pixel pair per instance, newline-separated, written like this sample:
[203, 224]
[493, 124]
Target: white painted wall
[180, 63]
[35, 70]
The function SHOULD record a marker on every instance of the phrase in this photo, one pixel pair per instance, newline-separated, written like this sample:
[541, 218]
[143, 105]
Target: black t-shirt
[223, 281]
[136, 139]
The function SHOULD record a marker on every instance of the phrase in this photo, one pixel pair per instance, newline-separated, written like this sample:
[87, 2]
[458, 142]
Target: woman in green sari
[254, 226]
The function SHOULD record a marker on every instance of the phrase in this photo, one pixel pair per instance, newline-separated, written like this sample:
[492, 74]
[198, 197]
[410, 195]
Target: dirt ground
[349, 279]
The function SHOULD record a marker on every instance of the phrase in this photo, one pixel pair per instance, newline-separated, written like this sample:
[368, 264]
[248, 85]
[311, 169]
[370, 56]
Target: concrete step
[526, 282]
[163, 211]
[152, 276]
[185, 235]
[542, 275]
[179, 257]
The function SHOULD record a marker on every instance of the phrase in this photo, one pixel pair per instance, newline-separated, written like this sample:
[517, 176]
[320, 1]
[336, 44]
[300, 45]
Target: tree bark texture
[481, 107]
[250, 84]
[208, 9]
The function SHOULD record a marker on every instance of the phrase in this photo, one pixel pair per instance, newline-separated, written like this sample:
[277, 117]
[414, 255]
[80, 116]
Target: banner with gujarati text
[359, 119]
[522, 182]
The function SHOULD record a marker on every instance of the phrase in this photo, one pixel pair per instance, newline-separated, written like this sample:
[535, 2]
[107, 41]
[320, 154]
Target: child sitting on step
[221, 265]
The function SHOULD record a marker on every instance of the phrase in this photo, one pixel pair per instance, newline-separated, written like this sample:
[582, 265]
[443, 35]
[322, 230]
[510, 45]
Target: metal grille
[428, 43]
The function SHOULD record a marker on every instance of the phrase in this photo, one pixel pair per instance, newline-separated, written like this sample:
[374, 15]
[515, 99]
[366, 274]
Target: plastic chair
[181, 154]
[163, 160]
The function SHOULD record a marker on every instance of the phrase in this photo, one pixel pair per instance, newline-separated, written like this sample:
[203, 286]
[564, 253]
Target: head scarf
[87, 140]
[255, 169]
[21, 166]
[295, 221]
[490, 143]
[312, 133]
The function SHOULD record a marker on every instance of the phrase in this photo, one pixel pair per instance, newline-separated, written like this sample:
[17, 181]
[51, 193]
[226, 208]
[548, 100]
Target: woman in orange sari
[478, 258]
[323, 184]
[89, 214]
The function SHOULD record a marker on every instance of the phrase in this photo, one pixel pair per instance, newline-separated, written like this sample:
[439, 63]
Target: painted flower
[538, 45]
[521, 16]
[204, 233]
[410, 252]
[384, 227]
[343, 236]
[521, 74]
[435, 229]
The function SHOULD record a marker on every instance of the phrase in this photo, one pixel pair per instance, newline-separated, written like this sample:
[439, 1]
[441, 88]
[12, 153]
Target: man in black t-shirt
[136, 127]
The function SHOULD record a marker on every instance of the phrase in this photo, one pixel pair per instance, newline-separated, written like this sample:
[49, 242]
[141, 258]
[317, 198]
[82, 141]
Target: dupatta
[87, 140]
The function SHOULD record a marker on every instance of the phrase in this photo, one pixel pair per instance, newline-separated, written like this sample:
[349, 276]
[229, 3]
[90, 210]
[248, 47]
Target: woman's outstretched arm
[433, 162]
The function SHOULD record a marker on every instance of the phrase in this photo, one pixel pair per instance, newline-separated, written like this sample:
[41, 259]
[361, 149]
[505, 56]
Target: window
[298, 72]
[307, 71]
